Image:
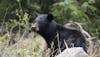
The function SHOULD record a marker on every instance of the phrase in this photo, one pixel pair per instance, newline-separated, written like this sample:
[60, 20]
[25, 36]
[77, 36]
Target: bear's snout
[35, 27]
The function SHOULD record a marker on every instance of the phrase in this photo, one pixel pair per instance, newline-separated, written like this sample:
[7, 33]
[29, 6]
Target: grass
[32, 46]
[28, 47]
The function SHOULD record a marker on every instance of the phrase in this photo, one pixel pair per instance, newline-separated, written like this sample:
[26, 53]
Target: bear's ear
[50, 17]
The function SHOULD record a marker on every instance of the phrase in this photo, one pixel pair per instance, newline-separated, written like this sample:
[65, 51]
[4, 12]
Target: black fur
[52, 32]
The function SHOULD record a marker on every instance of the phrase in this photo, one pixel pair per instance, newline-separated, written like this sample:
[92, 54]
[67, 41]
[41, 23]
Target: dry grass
[31, 46]
[94, 50]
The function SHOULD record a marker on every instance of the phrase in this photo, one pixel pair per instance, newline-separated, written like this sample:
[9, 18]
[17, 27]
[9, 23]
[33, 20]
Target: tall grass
[26, 45]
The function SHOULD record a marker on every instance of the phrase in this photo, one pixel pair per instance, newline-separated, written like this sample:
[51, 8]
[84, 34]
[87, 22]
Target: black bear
[53, 32]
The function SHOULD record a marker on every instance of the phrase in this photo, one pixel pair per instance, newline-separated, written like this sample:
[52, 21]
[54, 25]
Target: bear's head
[42, 21]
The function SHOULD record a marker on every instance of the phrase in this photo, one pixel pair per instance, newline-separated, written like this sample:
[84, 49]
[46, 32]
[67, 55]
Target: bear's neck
[49, 34]
[49, 37]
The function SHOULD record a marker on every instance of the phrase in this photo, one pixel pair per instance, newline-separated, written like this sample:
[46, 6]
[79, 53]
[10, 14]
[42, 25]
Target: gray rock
[73, 52]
